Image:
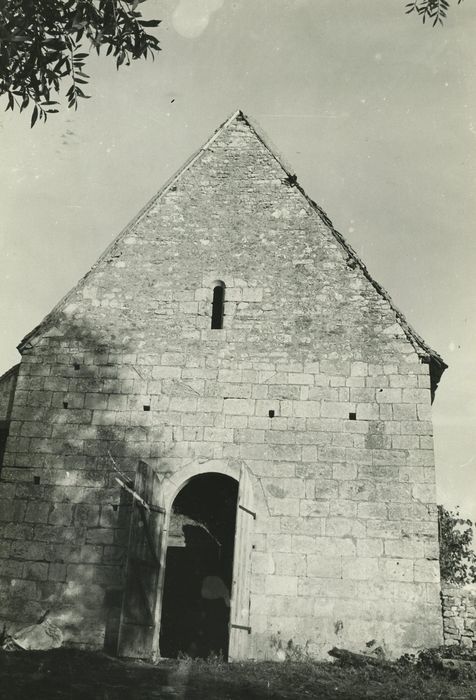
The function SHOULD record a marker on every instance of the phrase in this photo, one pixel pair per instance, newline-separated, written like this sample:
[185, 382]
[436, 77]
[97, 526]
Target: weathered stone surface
[314, 384]
[459, 616]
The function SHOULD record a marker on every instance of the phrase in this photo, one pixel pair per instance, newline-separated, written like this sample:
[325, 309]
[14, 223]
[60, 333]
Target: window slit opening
[218, 305]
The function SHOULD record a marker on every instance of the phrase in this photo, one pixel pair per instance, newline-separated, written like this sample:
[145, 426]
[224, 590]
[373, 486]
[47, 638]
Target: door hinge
[250, 512]
[241, 627]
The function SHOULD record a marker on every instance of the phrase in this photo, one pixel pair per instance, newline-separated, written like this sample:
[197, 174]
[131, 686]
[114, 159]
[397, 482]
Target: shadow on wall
[86, 407]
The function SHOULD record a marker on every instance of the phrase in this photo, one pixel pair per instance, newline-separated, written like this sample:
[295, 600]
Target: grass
[77, 675]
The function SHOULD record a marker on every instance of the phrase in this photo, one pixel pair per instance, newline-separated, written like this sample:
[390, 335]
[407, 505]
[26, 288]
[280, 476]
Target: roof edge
[420, 346]
[13, 370]
[165, 187]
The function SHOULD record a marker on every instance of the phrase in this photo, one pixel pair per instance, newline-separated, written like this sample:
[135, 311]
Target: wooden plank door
[240, 629]
[136, 631]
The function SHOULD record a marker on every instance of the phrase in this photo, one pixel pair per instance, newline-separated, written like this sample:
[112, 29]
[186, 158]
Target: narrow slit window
[218, 305]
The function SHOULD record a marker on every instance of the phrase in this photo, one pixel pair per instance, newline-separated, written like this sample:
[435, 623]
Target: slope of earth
[67, 674]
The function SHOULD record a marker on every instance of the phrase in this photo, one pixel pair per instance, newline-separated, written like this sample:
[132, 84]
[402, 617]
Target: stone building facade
[311, 395]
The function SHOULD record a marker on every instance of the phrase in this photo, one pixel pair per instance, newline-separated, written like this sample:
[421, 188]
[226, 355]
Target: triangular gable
[437, 365]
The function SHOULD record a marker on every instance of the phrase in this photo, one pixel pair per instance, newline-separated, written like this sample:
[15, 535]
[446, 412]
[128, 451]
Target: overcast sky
[375, 113]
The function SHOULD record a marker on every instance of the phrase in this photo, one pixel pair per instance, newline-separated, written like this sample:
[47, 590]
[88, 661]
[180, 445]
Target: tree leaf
[34, 117]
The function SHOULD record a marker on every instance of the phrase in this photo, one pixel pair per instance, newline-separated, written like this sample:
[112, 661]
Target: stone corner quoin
[312, 382]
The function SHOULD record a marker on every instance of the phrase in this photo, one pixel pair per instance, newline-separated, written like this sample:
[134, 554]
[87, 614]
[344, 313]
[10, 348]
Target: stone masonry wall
[7, 389]
[459, 616]
[345, 541]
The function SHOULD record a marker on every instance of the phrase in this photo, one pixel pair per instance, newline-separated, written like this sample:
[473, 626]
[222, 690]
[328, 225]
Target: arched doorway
[199, 568]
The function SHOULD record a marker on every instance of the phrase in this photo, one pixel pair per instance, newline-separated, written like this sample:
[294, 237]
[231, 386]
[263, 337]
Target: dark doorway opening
[199, 568]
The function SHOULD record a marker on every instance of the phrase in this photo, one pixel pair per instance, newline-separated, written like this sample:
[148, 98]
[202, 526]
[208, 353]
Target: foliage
[457, 558]
[433, 10]
[40, 46]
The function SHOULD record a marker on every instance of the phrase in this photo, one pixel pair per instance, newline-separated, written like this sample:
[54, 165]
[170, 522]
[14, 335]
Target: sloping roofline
[426, 353]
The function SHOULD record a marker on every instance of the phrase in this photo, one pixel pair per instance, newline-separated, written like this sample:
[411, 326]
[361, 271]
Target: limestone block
[239, 422]
[342, 472]
[383, 529]
[326, 489]
[283, 506]
[360, 568]
[356, 382]
[358, 490]
[397, 569]
[307, 409]
[278, 437]
[416, 427]
[426, 442]
[393, 492]
[334, 367]
[403, 381]
[404, 548]
[302, 526]
[37, 571]
[279, 543]
[326, 393]
[425, 570]
[336, 409]
[324, 566]
[61, 514]
[424, 412]
[362, 396]
[389, 396]
[424, 492]
[369, 547]
[342, 527]
[270, 469]
[260, 391]
[239, 406]
[252, 295]
[370, 509]
[416, 396]
[312, 367]
[343, 508]
[466, 642]
[10, 569]
[218, 435]
[57, 572]
[359, 369]
[327, 588]
[378, 472]
[37, 512]
[165, 372]
[23, 589]
[281, 585]
[96, 401]
[289, 564]
[313, 508]
[283, 488]
[309, 454]
[405, 442]
[100, 536]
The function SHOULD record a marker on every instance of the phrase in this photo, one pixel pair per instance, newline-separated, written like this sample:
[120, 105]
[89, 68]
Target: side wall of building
[459, 616]
[7, 392]
[345, 541]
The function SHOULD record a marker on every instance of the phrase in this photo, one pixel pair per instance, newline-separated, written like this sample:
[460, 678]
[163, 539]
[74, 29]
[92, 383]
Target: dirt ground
[76, 675]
